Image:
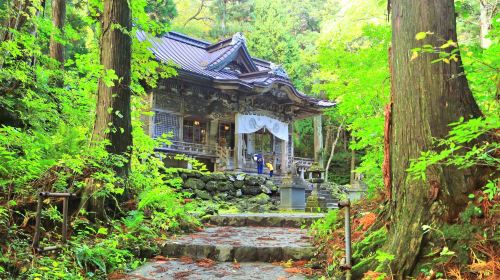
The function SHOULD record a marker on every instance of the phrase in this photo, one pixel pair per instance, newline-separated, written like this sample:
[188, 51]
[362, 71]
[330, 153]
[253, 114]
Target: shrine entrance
[258, 134]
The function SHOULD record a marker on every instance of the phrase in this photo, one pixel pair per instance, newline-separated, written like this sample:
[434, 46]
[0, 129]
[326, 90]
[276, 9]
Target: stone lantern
[315, 203]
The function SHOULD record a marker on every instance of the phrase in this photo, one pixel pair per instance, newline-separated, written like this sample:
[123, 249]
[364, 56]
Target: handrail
[193, 148]
[217, 151]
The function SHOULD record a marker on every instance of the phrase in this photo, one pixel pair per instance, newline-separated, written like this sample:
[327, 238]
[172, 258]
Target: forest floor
[244, 246]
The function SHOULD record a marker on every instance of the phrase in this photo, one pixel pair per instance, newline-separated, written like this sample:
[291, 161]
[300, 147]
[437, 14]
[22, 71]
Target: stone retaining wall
[253, 193]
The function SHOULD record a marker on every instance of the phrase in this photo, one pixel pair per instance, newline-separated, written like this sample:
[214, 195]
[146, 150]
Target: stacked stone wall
[254, 193]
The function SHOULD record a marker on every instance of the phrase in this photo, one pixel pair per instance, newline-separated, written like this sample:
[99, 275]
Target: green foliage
[4, 220]
[325, 226]
[45, 133]
[60, 267]
[361, 92]
[105, 256]
[469, 143]
[367, 245]
[491, 189]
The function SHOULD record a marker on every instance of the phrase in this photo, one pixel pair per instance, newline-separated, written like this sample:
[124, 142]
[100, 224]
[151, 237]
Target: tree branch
[195, 16]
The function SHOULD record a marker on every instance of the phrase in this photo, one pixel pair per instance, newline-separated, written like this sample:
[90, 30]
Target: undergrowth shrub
[325, 226]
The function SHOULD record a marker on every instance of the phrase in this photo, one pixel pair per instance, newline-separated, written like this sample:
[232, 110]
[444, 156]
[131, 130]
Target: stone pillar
[284, 157]
[302, 173]
[318, 139]
[238, 146]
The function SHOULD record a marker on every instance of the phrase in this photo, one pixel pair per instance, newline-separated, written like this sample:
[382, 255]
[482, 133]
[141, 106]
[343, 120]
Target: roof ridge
[218, 45]
[174, 35]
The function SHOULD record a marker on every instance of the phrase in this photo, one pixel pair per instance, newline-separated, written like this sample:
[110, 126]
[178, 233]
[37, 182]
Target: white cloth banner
[253, 123]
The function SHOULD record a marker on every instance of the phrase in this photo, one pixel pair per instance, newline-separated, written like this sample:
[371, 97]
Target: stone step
[177, 269]
[243, 244]
[295, 220]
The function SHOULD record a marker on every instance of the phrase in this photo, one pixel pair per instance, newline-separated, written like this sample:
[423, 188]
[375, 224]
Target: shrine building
[224, 105]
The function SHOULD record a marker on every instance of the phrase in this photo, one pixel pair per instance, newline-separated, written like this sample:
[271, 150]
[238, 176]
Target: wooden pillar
[181, 123]
[238, 146]
[212, 132]
[274, 152]
[318, 139]
[213, 129]
[292, 150]
[284, 157]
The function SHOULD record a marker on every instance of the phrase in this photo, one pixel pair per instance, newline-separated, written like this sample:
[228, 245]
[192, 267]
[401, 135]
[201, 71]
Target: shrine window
[195, 131]
[225, 135]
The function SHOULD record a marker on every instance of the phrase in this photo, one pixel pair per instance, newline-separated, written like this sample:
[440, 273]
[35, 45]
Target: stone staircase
[247, 238]
[253, 241]
[326, 195]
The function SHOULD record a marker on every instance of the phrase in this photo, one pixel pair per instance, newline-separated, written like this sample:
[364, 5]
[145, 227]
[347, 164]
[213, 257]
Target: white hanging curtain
[253, 123]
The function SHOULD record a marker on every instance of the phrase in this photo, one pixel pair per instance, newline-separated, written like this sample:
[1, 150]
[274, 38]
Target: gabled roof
[208, 61]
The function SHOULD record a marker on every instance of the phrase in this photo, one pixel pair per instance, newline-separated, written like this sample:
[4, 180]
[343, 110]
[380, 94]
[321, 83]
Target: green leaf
[420, 35]
[102, 231]
[446, 252]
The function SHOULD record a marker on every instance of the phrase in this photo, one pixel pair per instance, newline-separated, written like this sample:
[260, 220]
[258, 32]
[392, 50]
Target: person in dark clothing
[260, 163]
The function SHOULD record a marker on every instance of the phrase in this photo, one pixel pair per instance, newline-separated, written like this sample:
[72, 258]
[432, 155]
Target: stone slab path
[253, 241]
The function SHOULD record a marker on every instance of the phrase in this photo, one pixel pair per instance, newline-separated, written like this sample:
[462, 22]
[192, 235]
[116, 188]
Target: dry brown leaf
[206, 263]
[371, 275]
[236, 265]
[300, 263]
[293, 270]
[186, 260]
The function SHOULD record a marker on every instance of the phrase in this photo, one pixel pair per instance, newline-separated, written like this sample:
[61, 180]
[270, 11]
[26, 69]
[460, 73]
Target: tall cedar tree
[58, 17]
[426, 97]
[113, 121]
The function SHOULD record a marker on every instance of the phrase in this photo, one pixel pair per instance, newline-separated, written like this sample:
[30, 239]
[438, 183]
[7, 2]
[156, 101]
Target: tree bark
[16, 18]
[318, 140]
[353, 164]
[485, 16]
[426, 98]
[328, 136]
[58, 17]
[332, 151]
[113, 120]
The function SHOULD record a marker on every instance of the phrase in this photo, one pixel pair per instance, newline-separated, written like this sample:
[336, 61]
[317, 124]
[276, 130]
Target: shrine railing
[191, 148]
[303, 162]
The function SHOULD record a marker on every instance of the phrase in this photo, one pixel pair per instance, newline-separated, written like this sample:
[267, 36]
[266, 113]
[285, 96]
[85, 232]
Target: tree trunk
[427, 97]
[16, 17]
[484, 23]
[113, 121]
[328, 137]
[58, 17]
[353, 164]
[113, 117]
[318, 140]
[332, 151]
